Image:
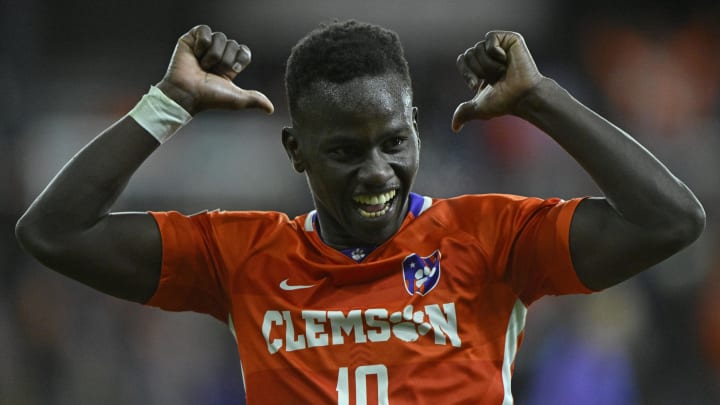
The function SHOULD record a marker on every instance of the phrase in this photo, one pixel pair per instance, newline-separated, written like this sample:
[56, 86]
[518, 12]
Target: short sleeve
[539, 261]
[192, 276]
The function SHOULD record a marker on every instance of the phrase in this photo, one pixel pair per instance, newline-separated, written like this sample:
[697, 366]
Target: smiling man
[360, 163]
[354, 131]
[379, 294]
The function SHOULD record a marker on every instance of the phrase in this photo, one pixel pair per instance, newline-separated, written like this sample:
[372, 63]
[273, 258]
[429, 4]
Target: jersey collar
[418, 205]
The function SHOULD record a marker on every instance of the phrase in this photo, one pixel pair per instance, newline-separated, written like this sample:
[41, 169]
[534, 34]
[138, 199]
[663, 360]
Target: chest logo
[287, 287]
[421, 274]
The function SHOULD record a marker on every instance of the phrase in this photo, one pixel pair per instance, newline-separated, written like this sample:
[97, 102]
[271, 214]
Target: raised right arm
[70, 228]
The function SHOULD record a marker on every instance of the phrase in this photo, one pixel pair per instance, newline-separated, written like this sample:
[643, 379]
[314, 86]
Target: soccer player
[379, 295]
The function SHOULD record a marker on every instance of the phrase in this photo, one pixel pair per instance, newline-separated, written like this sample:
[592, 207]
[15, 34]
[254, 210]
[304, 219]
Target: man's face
[358, 145]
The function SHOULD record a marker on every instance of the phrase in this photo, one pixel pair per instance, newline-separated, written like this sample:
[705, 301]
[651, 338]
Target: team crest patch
[421, 274]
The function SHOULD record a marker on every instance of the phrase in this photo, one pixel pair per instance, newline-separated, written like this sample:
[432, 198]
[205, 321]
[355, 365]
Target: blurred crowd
[71, 68]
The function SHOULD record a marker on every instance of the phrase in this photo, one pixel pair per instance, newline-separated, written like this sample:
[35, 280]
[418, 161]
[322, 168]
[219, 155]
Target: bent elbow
[24, 235]
[689, 225]
[696, 222]
[32, 239]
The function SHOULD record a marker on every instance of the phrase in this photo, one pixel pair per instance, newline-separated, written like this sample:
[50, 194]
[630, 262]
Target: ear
[292, 148]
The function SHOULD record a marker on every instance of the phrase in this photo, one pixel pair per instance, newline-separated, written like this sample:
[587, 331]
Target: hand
[201, 72]
[501, 71]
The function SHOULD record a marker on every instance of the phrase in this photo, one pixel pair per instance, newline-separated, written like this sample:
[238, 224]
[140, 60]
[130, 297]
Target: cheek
[409, 162]
[411, 171]
[328, 184]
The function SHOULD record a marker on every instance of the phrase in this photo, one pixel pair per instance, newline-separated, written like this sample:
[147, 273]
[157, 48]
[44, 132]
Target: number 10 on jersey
[361, 375]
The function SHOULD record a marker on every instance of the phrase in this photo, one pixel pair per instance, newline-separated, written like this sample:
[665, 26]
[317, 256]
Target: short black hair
[341, 51]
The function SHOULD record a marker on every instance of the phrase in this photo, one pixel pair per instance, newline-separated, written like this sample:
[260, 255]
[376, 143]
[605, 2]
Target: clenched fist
[201, 73]
[501, 71]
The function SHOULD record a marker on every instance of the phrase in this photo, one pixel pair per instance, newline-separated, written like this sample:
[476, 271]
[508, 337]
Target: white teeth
[373, 214]
[375, 199]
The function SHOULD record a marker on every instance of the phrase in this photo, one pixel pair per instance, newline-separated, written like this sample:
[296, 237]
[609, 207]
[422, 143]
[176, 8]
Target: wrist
[537, 99]
[182, 97]
[159, 115]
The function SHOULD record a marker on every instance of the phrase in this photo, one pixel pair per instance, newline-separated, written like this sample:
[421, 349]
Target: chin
[375, 234]
[376, 230]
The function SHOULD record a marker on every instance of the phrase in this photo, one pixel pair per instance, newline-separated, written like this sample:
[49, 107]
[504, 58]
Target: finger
[473, 64]
[472, 80]
[463, 113]
[226, 95]
[493, 48]
[214, 53]
[242, 59]
[242, 99]
[492, 69]
[202, 35]
[255, 99]
[225, 67]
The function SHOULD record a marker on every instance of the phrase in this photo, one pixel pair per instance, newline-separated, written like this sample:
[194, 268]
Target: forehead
[361, 101]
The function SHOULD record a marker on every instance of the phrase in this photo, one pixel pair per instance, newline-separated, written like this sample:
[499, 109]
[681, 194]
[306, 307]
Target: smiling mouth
[375, 205]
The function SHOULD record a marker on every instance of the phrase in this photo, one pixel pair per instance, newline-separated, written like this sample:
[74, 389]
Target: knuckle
[211, 58]
[202, 33]
[204, 41]
[219, 37]
[242, 58]
[469, 58]
[479, 52]
[201, 29]
[460, 59]
[245, 50]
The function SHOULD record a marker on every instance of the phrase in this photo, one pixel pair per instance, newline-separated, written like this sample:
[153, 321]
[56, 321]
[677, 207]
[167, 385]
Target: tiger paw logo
[409, 325]
[421, 274]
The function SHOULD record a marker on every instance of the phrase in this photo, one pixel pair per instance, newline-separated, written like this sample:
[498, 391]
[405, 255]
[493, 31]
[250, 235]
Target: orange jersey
[433, 315]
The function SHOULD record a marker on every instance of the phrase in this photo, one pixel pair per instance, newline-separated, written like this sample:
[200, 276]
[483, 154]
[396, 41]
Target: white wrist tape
[160, 115]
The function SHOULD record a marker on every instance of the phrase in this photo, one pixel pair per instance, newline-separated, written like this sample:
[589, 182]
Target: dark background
[70, 68]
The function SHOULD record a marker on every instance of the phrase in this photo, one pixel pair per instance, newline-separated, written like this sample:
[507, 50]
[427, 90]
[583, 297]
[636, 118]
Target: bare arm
[70, 228]
[647, 214]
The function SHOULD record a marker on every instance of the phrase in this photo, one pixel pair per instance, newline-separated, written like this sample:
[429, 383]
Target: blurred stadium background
[68, 69]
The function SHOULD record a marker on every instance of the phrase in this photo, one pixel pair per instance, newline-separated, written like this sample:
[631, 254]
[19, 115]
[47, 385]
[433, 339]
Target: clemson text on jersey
[324, 328]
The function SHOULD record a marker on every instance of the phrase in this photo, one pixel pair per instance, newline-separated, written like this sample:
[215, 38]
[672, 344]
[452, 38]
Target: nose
[375, 170]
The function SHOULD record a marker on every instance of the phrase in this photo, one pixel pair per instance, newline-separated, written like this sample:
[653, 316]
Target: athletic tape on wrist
[160, 115]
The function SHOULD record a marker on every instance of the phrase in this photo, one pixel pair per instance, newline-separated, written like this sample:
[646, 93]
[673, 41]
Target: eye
[395, 143]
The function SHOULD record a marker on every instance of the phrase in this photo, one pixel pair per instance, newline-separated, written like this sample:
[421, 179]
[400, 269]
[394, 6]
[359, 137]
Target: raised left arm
[646, 215]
